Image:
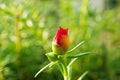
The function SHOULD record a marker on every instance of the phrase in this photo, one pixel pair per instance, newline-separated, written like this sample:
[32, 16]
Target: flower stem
[18, 34]
[63, 69]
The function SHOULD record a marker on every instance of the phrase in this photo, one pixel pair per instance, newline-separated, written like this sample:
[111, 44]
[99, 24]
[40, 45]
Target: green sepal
[52, 56]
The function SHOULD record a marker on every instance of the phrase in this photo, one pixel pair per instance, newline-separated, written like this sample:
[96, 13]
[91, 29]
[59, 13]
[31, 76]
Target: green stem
[18, 38]
[63, 69]
[83, 18]
[18, 34]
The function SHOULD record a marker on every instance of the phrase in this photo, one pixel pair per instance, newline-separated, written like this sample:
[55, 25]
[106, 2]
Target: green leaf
[51, 63]
[69, 68]
[71, 62]
[75, 47]
[81, 77]
[78, 55]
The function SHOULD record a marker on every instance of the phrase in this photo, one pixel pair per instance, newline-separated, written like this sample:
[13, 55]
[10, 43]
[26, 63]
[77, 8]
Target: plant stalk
[63, 69]
[17, 32]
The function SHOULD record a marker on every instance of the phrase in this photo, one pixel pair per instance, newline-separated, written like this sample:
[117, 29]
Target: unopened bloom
[61, 41]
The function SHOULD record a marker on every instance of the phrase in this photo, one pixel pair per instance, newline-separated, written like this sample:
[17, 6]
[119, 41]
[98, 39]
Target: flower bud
[61, 41]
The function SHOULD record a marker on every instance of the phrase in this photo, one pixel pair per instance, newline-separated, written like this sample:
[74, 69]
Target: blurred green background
[27, 28]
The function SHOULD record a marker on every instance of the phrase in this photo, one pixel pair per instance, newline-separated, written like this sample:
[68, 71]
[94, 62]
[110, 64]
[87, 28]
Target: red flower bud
[61, 41]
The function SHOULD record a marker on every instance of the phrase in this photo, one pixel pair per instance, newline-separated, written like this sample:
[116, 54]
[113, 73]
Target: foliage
[28, 26]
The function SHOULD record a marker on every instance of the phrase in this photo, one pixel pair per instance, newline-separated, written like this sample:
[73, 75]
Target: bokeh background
[27, 28]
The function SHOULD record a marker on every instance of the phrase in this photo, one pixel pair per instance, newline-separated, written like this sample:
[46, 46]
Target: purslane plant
[60, 56]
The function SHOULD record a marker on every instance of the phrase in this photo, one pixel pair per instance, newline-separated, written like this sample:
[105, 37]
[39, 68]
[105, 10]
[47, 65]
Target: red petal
[61, 38]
